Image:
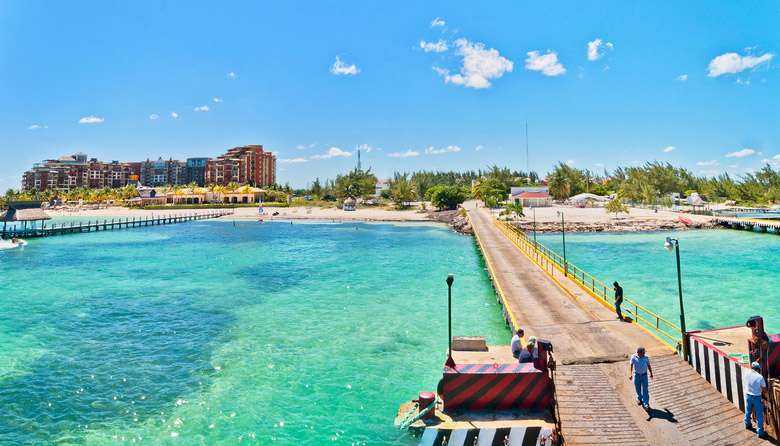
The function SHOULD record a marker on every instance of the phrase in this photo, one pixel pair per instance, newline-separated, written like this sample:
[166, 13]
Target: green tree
[401, 191]
[616, 206]
[355, 184]
[492, 188]
[558, 185]
[449, 197]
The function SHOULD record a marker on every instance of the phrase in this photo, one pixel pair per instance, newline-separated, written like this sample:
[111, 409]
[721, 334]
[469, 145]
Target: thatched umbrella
[23, 211]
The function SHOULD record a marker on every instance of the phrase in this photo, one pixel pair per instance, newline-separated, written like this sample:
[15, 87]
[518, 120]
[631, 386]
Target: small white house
[380, 186]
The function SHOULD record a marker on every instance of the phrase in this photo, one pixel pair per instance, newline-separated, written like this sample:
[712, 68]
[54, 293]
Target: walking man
[618, 299]
[518, 342]
[756, 388]
[638, 368]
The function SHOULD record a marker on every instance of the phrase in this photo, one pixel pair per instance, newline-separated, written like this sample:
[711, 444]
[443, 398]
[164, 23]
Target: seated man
[518, 341]
[527, 355]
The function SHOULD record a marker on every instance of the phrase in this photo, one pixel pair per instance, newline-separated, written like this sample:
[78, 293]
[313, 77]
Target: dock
[107, 225]
[596, 400]
[750, 224]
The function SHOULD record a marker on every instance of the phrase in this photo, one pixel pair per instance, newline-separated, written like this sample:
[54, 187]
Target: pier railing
[549, 260]
[106, 224]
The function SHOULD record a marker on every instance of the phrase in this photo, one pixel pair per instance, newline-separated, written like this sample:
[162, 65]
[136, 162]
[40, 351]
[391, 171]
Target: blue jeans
[755, 402]
[617, 308]
[640, 384]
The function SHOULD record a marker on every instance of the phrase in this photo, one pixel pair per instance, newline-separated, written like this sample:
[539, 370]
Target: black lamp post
[676, 246]
[563, 234]
[450, 278]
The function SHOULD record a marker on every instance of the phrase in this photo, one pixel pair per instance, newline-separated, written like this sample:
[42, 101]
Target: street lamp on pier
[676, 247]
[450, 278]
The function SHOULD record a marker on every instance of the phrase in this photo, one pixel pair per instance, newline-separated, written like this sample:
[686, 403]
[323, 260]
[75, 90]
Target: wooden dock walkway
[106, 224]
[597, 401]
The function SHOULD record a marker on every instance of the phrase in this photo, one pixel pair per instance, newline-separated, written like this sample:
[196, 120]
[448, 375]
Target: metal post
[563, 234]
[534, 208]
[450, 278]
[682, 309]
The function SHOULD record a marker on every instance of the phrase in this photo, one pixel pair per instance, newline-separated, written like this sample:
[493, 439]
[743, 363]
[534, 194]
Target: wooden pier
[106, 224]
[750, 224]
[596, 400]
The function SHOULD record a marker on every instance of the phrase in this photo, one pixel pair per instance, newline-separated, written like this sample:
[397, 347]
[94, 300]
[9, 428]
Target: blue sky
[418, 85]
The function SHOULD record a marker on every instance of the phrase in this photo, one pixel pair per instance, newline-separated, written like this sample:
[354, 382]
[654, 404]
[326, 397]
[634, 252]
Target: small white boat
[10, 244]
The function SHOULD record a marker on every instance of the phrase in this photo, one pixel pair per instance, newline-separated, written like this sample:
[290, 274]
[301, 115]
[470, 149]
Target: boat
[9, 244]
[685, 220]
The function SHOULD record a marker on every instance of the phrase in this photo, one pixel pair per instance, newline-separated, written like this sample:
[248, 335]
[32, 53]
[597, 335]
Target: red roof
[532, 195]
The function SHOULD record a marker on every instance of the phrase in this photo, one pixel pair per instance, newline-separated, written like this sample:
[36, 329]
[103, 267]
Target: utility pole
[359, 168]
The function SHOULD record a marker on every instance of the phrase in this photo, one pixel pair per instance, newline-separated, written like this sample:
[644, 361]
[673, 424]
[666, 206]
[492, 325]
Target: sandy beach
[547, 218]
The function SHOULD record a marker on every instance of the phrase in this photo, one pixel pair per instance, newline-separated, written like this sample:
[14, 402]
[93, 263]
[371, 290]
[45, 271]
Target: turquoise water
[203, 333]
[727, 275]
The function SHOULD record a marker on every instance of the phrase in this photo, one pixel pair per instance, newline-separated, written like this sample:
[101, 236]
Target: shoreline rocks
[624, 225]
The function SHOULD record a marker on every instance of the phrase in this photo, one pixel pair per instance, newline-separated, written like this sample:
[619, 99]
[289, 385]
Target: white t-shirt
[518, 343]
[753, 383]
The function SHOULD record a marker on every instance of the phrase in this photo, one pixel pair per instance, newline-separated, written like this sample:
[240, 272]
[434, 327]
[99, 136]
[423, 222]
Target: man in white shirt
[638, 368]
[755, 388]
[518, 343]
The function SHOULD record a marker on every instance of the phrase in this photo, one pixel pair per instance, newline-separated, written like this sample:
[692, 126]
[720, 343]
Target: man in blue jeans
[755, 388]
[638, 368]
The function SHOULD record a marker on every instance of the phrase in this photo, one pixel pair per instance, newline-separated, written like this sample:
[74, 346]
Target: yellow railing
[551, 261]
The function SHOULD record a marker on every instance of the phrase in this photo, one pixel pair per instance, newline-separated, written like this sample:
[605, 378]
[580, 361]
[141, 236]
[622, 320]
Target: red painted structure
[478, 387]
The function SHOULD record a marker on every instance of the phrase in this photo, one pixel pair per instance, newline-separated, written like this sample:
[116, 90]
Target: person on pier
[618, 299]
[518, 342]
[756, 389]
[527, 355]
[638, 368]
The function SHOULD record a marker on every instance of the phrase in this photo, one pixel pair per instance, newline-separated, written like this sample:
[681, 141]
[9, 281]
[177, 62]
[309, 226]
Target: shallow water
[727, 275]
[209, 333]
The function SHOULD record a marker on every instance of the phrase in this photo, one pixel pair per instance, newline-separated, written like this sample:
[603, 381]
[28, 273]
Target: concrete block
[469, 343]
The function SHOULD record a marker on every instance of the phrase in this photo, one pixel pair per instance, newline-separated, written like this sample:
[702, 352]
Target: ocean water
[206, 333]
[727, 275]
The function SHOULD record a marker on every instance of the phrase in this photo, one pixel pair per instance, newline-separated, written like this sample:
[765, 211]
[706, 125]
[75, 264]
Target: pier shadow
[658, 414]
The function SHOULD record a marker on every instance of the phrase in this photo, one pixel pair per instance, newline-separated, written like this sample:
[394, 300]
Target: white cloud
[174, 114]
[741, 153]
[599, 165]
[733, 166]
[570, 163]
[203, 108]
[478, 148]
[682, 77]
[710, 172]
[90, 120]
[434, 151]
[707, 163]
[750, 170]
[593, 49]
[437, 22]
[669, 149]
[339, 68]
[407, 154]
[546, 63]
[153, 116]
[293, 160]
[364, 147]
[217, 100]
[36, 127]
[635, 162]
[480, 66]
[437, 47]
[333, 151]
[741, 82]
[300, 147]
[731, 63]
[232, 75]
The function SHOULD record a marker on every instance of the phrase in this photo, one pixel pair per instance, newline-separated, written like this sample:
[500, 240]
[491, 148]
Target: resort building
[162, 172]
[69, 172]
[248, 165]
[242, 165]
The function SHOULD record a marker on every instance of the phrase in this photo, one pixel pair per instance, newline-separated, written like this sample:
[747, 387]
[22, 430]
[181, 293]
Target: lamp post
[563, 234]
[450, 278]
[676, 246]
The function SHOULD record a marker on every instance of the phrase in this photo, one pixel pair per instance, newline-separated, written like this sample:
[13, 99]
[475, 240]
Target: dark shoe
[763, 436]
[647, 407]
[748, 427]
[638, 403]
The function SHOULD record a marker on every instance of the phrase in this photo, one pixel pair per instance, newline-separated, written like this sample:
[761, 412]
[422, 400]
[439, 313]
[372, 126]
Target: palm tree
[559, 186]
